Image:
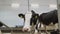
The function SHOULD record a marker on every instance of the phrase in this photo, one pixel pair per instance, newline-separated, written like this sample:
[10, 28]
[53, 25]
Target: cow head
[30, 18]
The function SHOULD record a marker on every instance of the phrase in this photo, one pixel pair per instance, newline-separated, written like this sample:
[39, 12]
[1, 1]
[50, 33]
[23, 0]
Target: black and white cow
[44, 18]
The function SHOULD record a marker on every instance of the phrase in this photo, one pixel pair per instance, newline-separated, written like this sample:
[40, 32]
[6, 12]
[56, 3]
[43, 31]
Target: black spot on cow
[34, 18]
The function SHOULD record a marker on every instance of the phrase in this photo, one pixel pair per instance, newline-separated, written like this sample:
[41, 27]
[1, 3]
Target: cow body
[47, 18]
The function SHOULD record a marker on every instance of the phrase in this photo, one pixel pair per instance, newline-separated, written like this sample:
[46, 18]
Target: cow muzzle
[26, 29]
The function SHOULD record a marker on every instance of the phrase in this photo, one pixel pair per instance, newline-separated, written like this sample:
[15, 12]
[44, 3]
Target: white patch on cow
[36, 31]
[56, 26]
[39, 25]
[42, 25]
[27, 21]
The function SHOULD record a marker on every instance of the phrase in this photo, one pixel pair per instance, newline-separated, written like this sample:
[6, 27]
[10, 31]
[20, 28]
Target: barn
[29, 16]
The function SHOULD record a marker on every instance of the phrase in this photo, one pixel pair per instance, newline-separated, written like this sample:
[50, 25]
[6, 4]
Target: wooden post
[58, 6]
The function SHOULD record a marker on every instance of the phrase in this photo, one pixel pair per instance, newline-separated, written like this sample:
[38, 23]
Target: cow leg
[45, 29]
[35, 29]
[39, 26]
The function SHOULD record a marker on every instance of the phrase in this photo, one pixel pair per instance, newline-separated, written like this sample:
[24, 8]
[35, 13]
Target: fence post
[58, 6]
